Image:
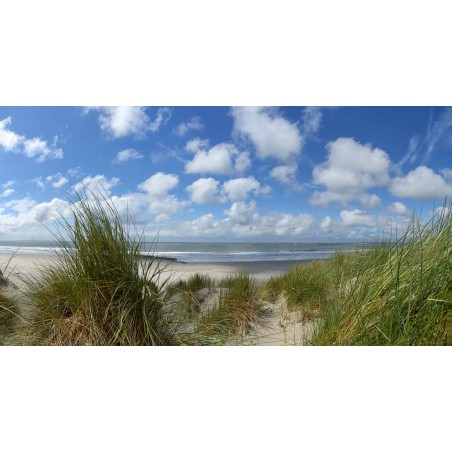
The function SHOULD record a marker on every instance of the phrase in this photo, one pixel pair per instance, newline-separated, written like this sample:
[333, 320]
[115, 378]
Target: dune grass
[9, 316]
[239, 306]
[399, 293]
[187, 292]
[390, 294]
[99, 291]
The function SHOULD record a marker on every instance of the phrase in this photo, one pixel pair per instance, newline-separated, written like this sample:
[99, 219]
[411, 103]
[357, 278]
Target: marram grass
[9, 316]
[99, 291]
[239, 307]
[188, 296]
[399, 293]
[390, 294]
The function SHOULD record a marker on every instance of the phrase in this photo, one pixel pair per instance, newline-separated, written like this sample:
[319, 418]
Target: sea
[206, 252]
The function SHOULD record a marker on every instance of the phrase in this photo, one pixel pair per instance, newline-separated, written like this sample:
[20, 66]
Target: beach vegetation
[188, 294]
[394, 293]
[238, 308]
[400, 293]
[9, 315]
[99, 291]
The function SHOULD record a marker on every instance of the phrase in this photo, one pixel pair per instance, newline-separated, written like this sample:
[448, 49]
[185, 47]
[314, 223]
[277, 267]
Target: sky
[298, 174]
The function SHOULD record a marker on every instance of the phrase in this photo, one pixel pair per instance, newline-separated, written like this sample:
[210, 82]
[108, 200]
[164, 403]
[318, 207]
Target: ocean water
[211, 252]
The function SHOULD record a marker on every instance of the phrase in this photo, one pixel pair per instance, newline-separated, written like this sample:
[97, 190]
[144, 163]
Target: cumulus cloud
[95, 185]
[243, 221]
[356, 217]
[193, 124]
[286, 175]
[239, 189]
[421, 183]
[119, 122]
[272, 135]
[223, 159]
[26, 216]
[350, 169]
[157, 198]
[34, 148]
[196, 144]
[400, 209]
[326, 223]
[21, 205]
[126, 155]
[241, 212]
[204, 191]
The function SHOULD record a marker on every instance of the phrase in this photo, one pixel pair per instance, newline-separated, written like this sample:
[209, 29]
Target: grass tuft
[99, 291]
[187, 291]
[238, 308]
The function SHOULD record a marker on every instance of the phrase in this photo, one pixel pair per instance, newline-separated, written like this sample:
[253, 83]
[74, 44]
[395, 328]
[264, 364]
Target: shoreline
[23, 265]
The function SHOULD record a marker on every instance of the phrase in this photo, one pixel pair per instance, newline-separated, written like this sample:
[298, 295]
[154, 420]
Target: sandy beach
[277, 327]
[23, 265]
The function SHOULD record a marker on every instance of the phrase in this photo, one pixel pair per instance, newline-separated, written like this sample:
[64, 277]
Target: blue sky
[221, 173]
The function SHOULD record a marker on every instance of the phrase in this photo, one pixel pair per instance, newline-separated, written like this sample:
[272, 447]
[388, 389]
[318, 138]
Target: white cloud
[157, 198]
[421, 183]
[161, 118]
[119, 122]
[39, 181]
[97, 185]
[196, 145]
[241, 212]
[75, 172]
[193, 124]
[271, 134]
[20, 205]
[440, 132]
[326, 223]
[223, 159]
[29, 217]
[447, 174]
[8, 184]
[159, 184]
[350, 169]
[37, 148]
[9, 139]
[33, 148]
[369, 200]
[204, 226]
[204, 191]
[399, 209]
[286, 175]
[312, 119]
[58, 180]
[412, 153]
[356, 217]
[7, 192]
[238, 189]
[126, 155]
[243, 220]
